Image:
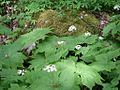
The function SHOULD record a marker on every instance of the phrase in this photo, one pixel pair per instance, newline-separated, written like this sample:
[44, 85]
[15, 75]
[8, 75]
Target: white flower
[72, 28]
[87, 34]
[116, 7]
[114, 59]
[78, 47]
[21, 72]
[50, 68]
[100, 37]
[26, 25]
[46, 21]
[6, 55]
[86, 15]
[53, 68]
[81, 17]
[60, 42]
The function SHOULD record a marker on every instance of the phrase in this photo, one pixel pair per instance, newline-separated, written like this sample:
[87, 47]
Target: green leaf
[108, 56]
[17, 87]
[68, 82]
[46, 81]
[109, 87]
[53, 51]
[48, 43]
[90, 51]
[29, 38]
[103, 66]
[52, 57]
[103, 60]
[112, 28]
[89, 75]
[1, 88]
[108, 28]
[9, 76]
[72, 41]
[38, 62]
[118, 68]
[90, 40]
[10, 57]
[5, 30]
[33, 7]
[115, 17]
[114, 82]
[31, 76]
[87, 55]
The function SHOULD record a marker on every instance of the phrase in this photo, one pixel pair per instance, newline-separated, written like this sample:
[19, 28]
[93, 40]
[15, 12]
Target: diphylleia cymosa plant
[50, 68]
[87, 34]
[77, 47]
[80, 62]
[72, 28]
[68, 62]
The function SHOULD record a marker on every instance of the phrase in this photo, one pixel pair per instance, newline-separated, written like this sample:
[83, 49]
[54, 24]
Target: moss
[60, 25]
[89, 18]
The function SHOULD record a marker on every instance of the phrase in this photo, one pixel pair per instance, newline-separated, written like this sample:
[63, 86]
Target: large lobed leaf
[43, 80]
[8, 76]
[89, 76]
[53, 51]
[9, 57]
[29, 38]
[68, 77]
[16, 86]
[38, 62]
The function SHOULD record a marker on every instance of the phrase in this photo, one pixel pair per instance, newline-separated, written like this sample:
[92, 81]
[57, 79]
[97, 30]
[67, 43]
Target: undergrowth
[36, 59]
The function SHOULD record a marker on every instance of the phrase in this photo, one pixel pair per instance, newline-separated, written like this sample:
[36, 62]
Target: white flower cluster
[87, 34]
[116, 7]
[50, 68]
[77, 47]
[83, 14]
[72, 28]
[100, 37]
[21, 72]
[60, 42]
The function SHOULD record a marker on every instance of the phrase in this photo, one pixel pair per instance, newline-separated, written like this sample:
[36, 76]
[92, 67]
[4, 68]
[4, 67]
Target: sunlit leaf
[89, 75]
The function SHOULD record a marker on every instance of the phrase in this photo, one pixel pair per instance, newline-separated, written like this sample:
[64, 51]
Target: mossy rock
[60, 25]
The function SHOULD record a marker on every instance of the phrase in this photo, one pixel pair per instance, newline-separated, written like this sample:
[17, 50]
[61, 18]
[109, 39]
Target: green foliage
[113, 28]
[14, 86]
[54, 63]
[10, 57]
[29, 38]
[90, 77]
[49, 51]
[5, 30]
[87, 4]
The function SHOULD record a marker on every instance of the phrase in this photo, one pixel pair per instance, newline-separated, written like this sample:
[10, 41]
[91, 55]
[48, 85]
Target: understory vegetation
[59, 44]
